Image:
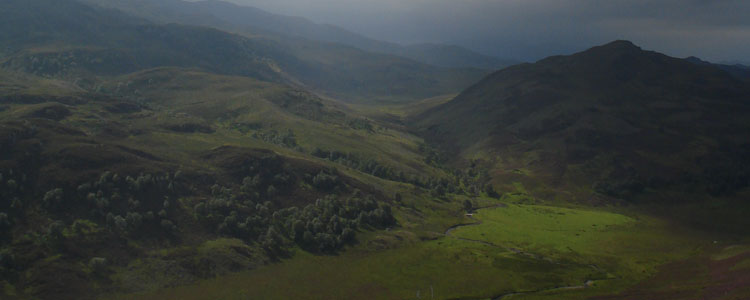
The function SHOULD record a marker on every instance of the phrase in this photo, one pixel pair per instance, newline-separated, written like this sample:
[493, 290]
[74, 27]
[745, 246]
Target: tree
[168, 226]
[299, 230]
[4, 222]
[271, 192]
[347, 235]
[120, 223]
[134, 220]
[468, 207]
[490, 191]
[98, 265]
[55, 233]
[272, 241]
[438, 191]
[325, 181]
[53, 198]
[200, 209]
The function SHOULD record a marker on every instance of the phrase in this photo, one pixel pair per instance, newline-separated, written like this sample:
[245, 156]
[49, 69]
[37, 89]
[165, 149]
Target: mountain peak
[614, 48]
[621, 44]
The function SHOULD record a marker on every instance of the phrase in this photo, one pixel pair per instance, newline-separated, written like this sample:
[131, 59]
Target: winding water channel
[450, 230]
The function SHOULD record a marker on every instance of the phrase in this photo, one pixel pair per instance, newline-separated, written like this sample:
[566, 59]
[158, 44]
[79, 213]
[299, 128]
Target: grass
[731, 251]
[563, 247]
[225, 100]
[627, 248]
[453, 268]
[542, 227]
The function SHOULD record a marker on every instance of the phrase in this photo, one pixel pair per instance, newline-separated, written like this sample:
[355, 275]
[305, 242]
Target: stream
[450, 230]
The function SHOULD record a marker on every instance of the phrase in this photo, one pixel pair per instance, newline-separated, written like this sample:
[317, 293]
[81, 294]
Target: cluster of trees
[324, 226]
[432, 156]
[12, 189]
[286, 139]
[623, 188]
[124, 203]
[246, 127]
[252, 212]
[326, 180]
[332, 222]
[241, 211]
[361, 124]
[370, 166]
[473, 181]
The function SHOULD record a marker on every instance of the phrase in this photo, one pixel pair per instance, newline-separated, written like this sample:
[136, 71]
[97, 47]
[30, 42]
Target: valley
[200, 155]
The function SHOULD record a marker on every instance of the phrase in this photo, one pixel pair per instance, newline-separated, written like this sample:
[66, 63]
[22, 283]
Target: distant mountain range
[229, 16]
[614, 118]
[738, 70]
[76, 41]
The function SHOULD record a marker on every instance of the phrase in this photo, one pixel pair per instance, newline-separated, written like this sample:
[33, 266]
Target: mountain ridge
[75, 44]
[230, 16]
[615, 105]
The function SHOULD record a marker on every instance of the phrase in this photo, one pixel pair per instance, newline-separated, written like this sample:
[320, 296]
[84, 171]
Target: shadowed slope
[615, 115]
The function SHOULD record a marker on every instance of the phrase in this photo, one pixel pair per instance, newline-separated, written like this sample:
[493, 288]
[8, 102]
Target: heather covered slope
[614, 118]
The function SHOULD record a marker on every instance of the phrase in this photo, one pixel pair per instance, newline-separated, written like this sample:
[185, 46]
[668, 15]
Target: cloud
[531, 29]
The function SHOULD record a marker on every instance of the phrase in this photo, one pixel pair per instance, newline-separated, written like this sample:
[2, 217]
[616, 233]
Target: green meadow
[539, 252]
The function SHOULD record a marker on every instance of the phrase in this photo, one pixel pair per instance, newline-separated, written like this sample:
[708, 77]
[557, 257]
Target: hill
[85, 42]
[236, 18]
[613, 121]
[141, 160]
[96, 184]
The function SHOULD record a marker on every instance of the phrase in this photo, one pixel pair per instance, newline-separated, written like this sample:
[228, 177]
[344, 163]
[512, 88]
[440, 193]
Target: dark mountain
[229, 16]
[738, 70]
[616, 117]
[71, 40]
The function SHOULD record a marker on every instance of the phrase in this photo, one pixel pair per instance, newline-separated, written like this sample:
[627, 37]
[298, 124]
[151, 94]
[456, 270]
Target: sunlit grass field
[540, 252]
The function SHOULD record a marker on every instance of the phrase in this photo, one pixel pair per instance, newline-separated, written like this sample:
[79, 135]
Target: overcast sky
[717, 30]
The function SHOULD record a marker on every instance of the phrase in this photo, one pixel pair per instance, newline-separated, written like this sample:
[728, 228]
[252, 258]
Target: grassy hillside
[159, 169]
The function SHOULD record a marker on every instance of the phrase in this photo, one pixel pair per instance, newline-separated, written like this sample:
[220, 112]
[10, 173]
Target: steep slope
[614, 117]
[83, 42]
[229, 16]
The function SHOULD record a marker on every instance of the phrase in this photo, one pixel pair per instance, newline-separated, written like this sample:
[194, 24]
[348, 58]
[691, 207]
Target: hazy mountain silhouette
[234, 17]
[69, 39]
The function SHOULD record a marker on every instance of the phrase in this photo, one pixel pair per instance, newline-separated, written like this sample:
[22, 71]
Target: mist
[532, 29]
